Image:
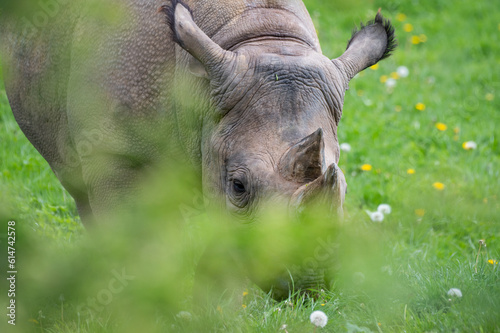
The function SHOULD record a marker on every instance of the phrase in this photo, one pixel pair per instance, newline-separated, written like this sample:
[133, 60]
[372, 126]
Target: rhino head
[277, 103]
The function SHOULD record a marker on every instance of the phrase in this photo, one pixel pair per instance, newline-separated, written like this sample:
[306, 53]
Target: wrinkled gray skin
[83, 89]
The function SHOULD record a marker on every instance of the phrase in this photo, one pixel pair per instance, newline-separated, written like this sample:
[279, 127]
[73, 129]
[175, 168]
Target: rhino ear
[192, 39]
[373, 42]
[304, 161]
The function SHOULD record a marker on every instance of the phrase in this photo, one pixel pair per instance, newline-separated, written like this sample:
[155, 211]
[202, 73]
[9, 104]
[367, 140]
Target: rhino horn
[328, 189]
[304, 161]
[373, 42]
[192, 39]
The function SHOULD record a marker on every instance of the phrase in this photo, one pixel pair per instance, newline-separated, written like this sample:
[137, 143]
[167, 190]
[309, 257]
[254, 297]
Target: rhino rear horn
[328, 189]
[373, 42]
[304, 161]
[192, 39]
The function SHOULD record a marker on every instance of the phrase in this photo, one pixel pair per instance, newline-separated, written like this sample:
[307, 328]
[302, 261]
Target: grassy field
[407, 137]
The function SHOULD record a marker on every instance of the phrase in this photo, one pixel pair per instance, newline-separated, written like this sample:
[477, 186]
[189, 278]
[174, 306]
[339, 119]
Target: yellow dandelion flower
[442, 127]
[438, 186]
[398, 108]
[420, 212]
[423, 38]
[383, 78]
[401, 17]
[245, 293]
[395, 75]
[374, 67]
[244, 306]
[366, 167]
[379, 324]
[408, 27]
[323, 304]
[410, 171]
[489, 97]
[415, 40]
[420, 106]
[493, 262]
[456, 130]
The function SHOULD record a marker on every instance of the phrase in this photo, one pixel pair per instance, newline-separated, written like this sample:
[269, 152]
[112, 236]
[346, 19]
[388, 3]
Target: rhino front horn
[304, 161]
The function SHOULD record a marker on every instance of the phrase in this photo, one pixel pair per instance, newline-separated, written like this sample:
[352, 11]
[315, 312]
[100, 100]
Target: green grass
[388, 277]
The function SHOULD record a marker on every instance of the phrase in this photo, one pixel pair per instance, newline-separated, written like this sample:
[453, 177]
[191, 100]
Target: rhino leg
[36, 67]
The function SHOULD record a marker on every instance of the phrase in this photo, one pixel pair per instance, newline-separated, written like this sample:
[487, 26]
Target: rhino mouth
[306, 281]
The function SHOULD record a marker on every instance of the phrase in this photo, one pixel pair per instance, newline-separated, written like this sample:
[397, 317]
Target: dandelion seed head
[376, 216]
[469, 145]
[403, 71]
[390, 83]
[345, 147]
[319, 318]
[184, 315]
[454, 292]
[384, 209]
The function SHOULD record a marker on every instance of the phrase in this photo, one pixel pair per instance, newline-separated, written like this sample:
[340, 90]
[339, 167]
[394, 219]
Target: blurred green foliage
[136, 273]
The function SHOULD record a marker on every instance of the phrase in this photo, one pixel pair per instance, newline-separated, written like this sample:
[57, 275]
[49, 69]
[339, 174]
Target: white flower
[384, 209]
[375, 216]
[469, 145]
[345, 147]
[358, 277]
[455, 292]
[403, 71]
[319, 318]
[390, 83]
[184, 315]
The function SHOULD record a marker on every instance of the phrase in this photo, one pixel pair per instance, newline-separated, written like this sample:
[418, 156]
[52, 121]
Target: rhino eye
[238, 186]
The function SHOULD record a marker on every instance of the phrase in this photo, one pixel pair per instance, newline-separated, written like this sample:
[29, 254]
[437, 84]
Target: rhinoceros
[97, 93]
